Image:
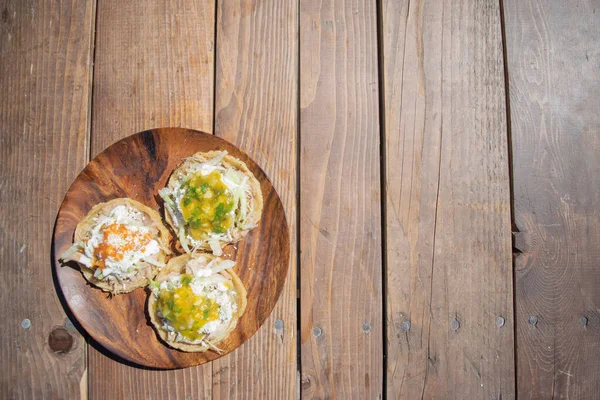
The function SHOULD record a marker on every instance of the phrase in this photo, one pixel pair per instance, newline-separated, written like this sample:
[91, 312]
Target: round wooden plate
[137, 167]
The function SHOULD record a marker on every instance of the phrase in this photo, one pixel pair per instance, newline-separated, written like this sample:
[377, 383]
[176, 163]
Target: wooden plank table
[410, 141]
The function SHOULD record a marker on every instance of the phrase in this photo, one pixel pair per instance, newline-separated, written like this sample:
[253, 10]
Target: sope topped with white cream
[197, 304]
[208, 201]
[118, 244]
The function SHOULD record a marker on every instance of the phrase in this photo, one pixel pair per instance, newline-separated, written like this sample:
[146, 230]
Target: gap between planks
[383, 190]
[511, 185]
[84, 383]
[298, 210]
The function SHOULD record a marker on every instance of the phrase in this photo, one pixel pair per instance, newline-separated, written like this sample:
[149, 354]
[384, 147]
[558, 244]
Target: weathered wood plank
[256, 108]
[153, 68]
[449, 279]
[554, 85]
[45, 58]
[341, 274]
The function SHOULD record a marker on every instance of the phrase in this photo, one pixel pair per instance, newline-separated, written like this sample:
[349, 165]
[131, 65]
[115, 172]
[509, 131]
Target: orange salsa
[117, 240]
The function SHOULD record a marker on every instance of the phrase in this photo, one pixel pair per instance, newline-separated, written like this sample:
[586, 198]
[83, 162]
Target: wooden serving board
[137, 167]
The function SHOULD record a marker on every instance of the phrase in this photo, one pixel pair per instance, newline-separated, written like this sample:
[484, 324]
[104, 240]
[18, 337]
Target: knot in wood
[60, 341]
[306, 383]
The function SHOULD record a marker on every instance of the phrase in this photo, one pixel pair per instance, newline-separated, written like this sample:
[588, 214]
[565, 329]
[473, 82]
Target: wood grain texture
[449, 275]
[153, 68]
[137, 167]
[45, 60]
[341, 274]
[554, 85]
[256, 108]
[154, 64]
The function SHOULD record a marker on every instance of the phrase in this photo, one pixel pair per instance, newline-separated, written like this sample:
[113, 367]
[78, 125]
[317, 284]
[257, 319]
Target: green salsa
[206, 205]
[185, 310]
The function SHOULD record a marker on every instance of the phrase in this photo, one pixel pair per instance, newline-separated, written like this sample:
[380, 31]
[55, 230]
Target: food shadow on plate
[148, 293]
[88, 339]
[174, 246]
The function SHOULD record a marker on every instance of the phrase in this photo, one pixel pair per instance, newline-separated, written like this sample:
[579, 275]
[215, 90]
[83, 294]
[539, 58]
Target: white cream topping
[132, 219]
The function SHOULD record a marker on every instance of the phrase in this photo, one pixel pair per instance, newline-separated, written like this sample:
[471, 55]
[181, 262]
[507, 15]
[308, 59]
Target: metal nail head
[366, 327]
[500, 322]
[278, 324]
[317, 331]
[455, 324]
[26, 324]
[533, 320]
[405, 326]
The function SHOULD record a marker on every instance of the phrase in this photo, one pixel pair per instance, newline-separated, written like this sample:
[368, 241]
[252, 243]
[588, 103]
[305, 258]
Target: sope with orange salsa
[121, 247]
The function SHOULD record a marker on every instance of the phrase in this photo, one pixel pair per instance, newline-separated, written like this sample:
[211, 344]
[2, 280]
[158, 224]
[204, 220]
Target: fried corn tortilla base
[255, 203]
[177, 265]
[86, 224]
